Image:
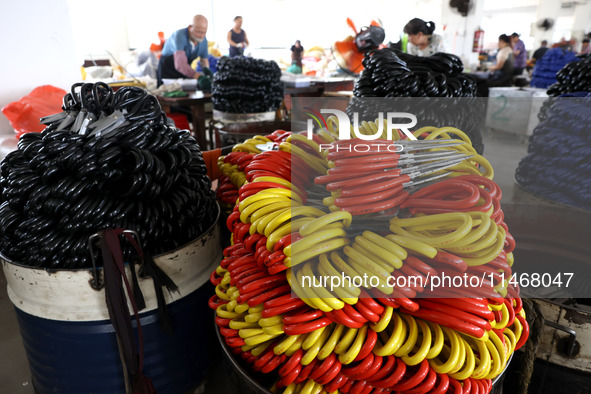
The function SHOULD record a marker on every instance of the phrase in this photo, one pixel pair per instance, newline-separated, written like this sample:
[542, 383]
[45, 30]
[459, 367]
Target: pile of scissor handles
[299, 211]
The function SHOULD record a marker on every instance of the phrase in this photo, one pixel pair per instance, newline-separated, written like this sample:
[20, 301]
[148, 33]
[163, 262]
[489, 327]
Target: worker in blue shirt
[181, 48]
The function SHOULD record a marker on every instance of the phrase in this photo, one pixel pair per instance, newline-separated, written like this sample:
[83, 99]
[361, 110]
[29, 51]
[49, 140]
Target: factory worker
[181, 48]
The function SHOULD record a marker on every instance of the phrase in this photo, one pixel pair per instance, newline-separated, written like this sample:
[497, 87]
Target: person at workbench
[237, 38]
[501, 73]
[181, 48]
[421, 39]
[519, 54]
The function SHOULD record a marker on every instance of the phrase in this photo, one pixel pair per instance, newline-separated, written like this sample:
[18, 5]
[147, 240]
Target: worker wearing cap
[181, 48]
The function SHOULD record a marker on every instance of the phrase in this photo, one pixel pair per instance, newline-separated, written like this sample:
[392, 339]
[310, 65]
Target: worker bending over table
[181, 48]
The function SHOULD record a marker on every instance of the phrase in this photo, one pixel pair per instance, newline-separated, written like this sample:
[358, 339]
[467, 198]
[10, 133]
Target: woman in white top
[502, 70]
[421, 40]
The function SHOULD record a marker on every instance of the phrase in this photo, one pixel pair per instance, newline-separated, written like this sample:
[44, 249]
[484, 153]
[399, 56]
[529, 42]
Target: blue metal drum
[71, 344]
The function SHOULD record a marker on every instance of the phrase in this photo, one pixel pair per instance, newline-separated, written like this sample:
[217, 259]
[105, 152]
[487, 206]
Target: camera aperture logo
[344, 127]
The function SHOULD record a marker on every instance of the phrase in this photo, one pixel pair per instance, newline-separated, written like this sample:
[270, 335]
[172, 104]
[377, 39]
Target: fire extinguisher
[478, 44]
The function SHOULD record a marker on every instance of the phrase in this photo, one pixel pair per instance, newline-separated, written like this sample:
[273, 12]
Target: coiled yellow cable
[413, 339]
[250, 145]
[319, 165]
[473, 236]
[475, 165]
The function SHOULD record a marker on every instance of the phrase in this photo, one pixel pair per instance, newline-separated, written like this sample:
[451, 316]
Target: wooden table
[195, 102]
[317, 88]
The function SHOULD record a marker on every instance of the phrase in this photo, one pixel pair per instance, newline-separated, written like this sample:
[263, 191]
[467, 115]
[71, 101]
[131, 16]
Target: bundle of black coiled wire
[574, 77]
[247, 85]
[390, 73]
[110, 160]
[558, 164]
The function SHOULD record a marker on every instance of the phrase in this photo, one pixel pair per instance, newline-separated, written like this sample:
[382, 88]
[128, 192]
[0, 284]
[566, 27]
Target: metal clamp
[95, 282]
[570, 347]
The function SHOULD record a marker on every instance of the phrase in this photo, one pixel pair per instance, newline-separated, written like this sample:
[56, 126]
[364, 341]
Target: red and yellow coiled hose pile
[364, 339]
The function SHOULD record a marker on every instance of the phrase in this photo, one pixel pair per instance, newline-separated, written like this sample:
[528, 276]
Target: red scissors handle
[367, 159]
[394, 174]
[467, 305]
[365, 168]
[340, 317]
[456, 312]
[379, 206]
[367, 189]
[368, 198]
[446, 320]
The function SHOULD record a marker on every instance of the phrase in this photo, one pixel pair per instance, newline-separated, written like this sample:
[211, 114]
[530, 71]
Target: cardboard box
[514, 110]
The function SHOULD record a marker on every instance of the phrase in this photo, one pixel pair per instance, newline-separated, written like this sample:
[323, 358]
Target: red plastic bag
[24, 114]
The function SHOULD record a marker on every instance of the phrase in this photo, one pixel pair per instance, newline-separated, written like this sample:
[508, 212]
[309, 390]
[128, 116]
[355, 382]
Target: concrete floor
[502, 150]
[14, 370]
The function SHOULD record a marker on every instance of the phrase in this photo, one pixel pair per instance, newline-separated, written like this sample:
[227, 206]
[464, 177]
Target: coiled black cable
[390, 73]
[574, 77]
[59, 186]
[558, 164]
[246, 85]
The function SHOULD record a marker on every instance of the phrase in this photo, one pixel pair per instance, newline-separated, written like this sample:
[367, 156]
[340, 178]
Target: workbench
[195, 103]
